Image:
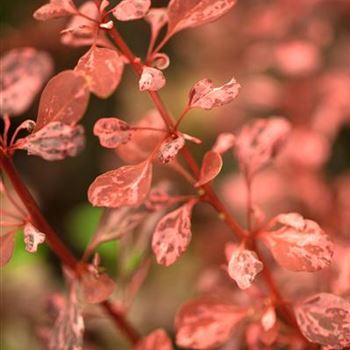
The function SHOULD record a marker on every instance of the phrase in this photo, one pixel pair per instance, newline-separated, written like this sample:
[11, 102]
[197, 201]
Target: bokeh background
[292, 59]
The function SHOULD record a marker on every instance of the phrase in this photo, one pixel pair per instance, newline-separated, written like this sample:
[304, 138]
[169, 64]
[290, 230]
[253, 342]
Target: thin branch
[55, 243]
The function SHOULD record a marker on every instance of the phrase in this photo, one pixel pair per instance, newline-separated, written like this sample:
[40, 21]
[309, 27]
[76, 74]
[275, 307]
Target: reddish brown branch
[55, 243]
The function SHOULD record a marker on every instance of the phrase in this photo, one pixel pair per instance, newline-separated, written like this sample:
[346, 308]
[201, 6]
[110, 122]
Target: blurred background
[292, 59]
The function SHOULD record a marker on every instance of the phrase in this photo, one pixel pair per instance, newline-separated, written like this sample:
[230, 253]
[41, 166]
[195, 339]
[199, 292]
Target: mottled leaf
[7, 246]
[32, 237]
[157, 340]
[193, 13]
[224, 142]
[67, 333]
[103, 69]
[173, 234]
[299, 244]
[152, 79]
[243, 266]
[112, 132]
[64, 99]
[206, 323]
[204, 95]
[126, 186]
[128, 10]
[97, 287]
[170, 148]
[325, 319]
[55, 141]
[259, 141]
[55, 9]
[22, 74]
[211, 167]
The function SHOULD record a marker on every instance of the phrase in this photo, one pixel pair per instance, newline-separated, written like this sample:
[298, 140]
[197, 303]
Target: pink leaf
[300, 244]
[97, 287]
[224, 142]
[82, 31]
[259, 142]
[152, 79]
[116, 223]
[22, 74]
[55, 9]
[325, 319]
[143, 141]
[157, 340]
[128, 10]
[243, 266]
[64, 99]
[206, 323]
[68, 330]
[173, 234]
[193, 13]
[157, 18]
[126, 186]
[112, 132]
[55, 141]
[32, 238]
[211, 167]
[170, 148]
[204, 95]
[7, 246]
[103, 69]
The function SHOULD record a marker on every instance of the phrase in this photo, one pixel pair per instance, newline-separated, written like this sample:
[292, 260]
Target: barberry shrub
[251, 301]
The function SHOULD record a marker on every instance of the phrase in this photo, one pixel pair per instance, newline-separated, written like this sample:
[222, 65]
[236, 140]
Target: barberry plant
[253, 308]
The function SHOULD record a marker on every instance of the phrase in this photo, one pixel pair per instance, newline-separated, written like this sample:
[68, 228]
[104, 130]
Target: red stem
[55, 243]
[210, 194]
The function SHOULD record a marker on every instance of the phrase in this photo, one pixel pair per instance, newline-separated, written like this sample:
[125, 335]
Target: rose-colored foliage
[259, 142]
[22, 74]
[243, 266]
[128, 10]
[32, 237]
[126, 186]
[97, 287]
[103, 69]
[54, 141]
[157, 340]
[173, 234]
[170, 148]
[204, 95]
[211, 167]
[55, 9]
[64, 99]
[206, 323]
[325, 319]
[112, 132]
[286, 280]
[193, 13]
[81, 31]
[224, 142]
[152, 79]
[299, 244]
[157, 18]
